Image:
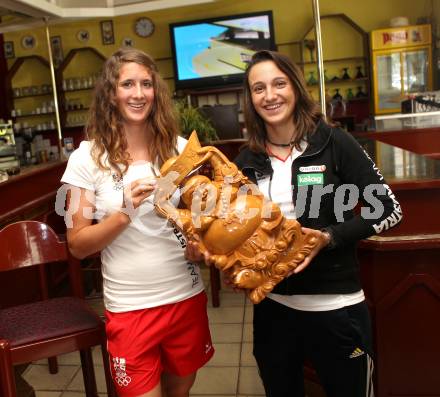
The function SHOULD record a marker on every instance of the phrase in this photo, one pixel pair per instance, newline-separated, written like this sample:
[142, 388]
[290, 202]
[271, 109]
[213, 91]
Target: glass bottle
[350, 94]
[337, 95]
[312, 80]
[359, 74]
[345, 75]
[360, 93]
[310, 44]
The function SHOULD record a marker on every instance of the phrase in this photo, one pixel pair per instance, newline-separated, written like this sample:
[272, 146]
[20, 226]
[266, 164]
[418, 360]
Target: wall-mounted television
[213, 52]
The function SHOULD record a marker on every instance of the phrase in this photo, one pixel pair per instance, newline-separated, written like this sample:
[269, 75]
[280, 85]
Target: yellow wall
[292, 19]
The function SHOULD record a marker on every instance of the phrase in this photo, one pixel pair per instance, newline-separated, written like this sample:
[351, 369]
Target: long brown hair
[105, 126]
[305, 115]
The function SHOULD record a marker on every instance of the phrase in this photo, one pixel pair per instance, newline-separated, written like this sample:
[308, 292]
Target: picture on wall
[28, 42]
[8, 48]
[108, 36]
[57, 50]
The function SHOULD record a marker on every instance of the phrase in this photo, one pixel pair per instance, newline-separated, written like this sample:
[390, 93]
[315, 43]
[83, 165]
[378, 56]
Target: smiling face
[272, 94]
[134, 93]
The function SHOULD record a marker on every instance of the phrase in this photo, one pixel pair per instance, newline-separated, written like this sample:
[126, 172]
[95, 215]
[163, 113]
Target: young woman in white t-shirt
[157, 326]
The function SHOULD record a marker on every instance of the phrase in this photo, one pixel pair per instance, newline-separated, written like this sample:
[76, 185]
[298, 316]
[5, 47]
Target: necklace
[290, 144]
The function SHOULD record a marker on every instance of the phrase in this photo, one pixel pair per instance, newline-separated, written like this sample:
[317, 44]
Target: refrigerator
[402, 64]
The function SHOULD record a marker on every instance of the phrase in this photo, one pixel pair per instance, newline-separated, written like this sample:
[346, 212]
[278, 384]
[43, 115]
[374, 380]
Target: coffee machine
[9, 161]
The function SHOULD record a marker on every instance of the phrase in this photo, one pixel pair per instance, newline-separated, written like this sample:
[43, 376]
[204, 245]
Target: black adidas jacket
[334, 166]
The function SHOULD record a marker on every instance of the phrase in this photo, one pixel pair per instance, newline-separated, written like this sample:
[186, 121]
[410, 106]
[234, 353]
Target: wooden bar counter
[424, 141]
[400, 272]
[25, 194]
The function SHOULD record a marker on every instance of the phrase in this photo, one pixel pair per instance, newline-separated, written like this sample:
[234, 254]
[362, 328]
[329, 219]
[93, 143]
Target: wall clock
[144, 27]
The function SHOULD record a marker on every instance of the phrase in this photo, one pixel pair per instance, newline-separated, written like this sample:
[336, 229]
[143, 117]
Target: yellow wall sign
[405, 36]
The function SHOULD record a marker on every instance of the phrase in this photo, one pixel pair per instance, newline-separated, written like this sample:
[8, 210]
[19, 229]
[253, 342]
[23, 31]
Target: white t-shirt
[279, 190]
[144, 266]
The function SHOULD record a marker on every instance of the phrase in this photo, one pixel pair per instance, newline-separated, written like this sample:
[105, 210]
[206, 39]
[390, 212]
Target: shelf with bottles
[18, 116]
[76, 119]
[75, 87]
[335, 60]
[312, 81]
[36, 147]
[29, 128]
[28, 110]
[22, 96]
[82, 83]
[350, 94]
[76, 104]
[353, 75]
[347, 95]
[83, 109]
[28, 81]
[345, 58]
[342, 41]
[76, 111]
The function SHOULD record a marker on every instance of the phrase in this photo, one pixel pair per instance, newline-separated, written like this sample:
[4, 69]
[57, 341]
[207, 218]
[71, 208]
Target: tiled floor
[231, 372]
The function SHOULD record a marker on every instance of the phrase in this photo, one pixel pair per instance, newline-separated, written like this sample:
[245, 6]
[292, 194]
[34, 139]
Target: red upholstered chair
[51, 326]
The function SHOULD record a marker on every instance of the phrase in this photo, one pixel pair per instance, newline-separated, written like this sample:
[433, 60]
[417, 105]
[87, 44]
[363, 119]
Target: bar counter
[424, 140]
[30, 192]
[400, 272]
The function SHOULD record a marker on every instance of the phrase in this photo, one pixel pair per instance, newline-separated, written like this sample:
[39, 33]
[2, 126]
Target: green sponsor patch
[310, 179]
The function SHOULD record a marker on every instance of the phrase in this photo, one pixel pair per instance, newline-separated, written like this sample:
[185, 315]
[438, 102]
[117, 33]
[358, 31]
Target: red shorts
[144, 343]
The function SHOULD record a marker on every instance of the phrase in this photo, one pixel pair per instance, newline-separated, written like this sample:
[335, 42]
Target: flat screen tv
[213, 52]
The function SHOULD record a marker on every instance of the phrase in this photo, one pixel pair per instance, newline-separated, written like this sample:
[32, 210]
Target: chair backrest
[55, 221]
[31, 243]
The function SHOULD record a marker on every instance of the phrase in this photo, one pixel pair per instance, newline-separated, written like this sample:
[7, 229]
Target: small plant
[191, 119]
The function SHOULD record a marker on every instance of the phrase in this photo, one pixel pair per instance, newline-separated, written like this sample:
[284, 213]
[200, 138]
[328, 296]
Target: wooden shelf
[64, 94]
[33, 115]
[360, 99]
[348, 59]
[19, 62]
[35, 132]
[340, 81]
[77, 110]
[79, 89]
[348, 50]
[32, 95]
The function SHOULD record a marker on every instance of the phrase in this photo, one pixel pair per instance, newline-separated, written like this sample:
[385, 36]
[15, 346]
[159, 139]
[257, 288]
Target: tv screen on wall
[214, 52]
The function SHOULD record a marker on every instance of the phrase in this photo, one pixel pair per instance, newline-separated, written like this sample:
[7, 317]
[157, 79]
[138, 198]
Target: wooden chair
[215, 280]
[51, 326]
[55, 222]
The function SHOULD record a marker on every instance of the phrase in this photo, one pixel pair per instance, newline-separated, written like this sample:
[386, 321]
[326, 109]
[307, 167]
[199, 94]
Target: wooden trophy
[246, 236]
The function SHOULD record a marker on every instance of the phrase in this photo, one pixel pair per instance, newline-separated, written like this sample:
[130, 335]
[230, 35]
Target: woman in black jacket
[317, 174]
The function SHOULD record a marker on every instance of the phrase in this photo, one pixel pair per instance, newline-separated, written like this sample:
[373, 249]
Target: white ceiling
[26, 14]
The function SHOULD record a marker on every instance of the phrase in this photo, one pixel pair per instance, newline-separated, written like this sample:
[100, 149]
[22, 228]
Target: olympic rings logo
[123, 381]
[121, 377]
